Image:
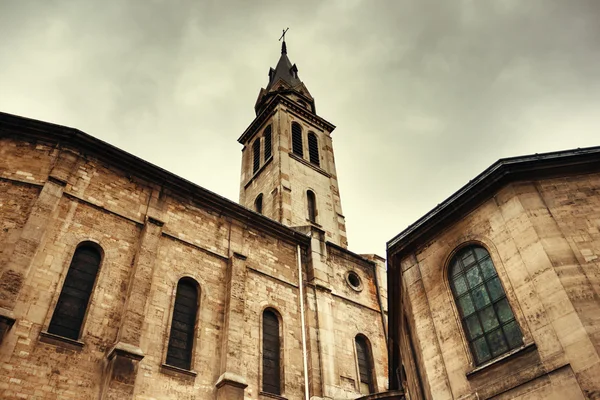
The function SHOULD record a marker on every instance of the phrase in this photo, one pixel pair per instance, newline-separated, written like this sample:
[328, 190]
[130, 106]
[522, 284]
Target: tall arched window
[74, 298]
[313, 148]
[258, 204]
[255, 155]
[183, 324]
[271, 353]
[486, 316]
[268, 144]
[365, 366]
[311, 203]
[297, 147]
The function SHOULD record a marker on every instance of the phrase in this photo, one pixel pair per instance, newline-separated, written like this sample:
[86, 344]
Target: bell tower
[288, 167]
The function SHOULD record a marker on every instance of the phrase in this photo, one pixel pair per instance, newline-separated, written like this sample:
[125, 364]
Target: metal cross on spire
[283, 46]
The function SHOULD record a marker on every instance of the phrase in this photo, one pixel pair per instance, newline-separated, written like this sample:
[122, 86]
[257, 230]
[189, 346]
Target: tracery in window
[487, 318]
[183, 325]
[74, 298]
[297, 147]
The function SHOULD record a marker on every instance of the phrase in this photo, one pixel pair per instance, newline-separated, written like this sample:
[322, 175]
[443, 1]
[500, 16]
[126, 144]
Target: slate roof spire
[284, 69]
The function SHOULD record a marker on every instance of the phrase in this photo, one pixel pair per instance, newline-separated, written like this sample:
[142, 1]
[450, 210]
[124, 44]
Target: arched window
[297, 147]
[311, 203]
[268, 144]
[256, 155]
[313, 148]
[74, 298]
[271, 353]
[258, 203]
[486, 316]
[183, 324]
[365, 366]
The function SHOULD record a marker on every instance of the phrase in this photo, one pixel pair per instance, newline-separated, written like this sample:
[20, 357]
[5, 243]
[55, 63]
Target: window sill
[504, 357]
[61, 341]
[272, 395]
[254, 175]
[176, 371]
[309, 164]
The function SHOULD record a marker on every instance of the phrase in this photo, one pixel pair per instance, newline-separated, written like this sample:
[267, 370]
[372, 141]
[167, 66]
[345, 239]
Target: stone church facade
[495, 292]
[120, 280]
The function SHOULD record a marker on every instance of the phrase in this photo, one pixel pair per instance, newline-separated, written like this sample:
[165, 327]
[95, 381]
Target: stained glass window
[487, 318]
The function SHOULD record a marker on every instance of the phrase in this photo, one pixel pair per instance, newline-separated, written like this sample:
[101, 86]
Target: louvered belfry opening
[181, 338]
[268, 143]
[363, 355]
[256, 155]
[74, 298]
[258, 203]
[311, 203]
[271, 353]
[313, 148]
[297, 139]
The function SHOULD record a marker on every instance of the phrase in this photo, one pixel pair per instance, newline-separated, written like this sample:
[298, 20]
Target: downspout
[385, 328]
[304, 355]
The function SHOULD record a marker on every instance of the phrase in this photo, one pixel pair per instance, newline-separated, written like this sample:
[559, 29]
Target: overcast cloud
[425, 94]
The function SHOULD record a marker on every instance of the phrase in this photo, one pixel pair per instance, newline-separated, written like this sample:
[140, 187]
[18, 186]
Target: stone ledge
[126, 350]
[506, 356]
[271, 395]
[172, 370]
[57, 340]
[391, 395]
[231, 379]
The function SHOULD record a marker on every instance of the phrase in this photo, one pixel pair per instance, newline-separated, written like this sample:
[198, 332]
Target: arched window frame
[268, 142]
[192, 350]
[281, 352]
[496, 298]
[313, 149]
[256, 156]
[258, 203]
[372, 384]
[297, 141]
[52, 323]
[311, 206]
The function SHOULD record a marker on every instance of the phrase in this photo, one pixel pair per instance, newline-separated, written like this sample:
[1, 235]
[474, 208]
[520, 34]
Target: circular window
[354, 281]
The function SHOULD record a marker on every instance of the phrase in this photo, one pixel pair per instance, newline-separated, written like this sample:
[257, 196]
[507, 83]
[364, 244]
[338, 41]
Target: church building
[120, 280]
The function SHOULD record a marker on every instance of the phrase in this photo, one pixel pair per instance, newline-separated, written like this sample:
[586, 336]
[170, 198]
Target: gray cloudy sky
[425, 94]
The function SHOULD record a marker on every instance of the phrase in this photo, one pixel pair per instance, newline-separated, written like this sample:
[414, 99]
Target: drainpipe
[304, 355]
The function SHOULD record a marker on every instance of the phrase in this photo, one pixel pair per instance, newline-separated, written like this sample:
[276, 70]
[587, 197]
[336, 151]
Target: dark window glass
[313, 148]
[74, 298]
[271, 353]
[268, 144]
[487, 318]
[181, 338]
[258, 203]
[312, 206]
[256, 155]
[297, 139]
[365, 369]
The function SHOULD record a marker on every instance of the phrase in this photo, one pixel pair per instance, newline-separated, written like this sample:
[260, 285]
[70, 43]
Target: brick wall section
[543, 239]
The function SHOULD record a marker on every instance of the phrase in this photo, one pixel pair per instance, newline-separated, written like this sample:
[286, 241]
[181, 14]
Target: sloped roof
[484, 185]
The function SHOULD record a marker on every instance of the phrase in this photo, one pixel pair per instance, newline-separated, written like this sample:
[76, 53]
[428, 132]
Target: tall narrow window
[271, 353]
[181, 338]
[258, 204]
[313, 148]
[365, 369]
[74, 298]
[255, 155]
[297, 147]
[268, 144]
[311, 203]
[486, 316]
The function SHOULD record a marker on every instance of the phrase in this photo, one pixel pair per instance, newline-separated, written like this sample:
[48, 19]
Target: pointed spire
[283, 47]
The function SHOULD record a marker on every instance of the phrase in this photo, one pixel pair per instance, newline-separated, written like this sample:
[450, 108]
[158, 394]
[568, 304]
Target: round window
[353, 280]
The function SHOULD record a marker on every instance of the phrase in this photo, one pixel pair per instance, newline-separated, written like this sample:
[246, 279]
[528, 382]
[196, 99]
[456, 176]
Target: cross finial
[283, 46]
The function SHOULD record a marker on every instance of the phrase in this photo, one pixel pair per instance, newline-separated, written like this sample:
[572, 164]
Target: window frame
[314, 210]
[462, 320]
[313, 157]
[256, 154]
[57, 293]
[259, 204]
[370, 361]
[268, 133]
[279, 318]
[300, 132]
[169, 326]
